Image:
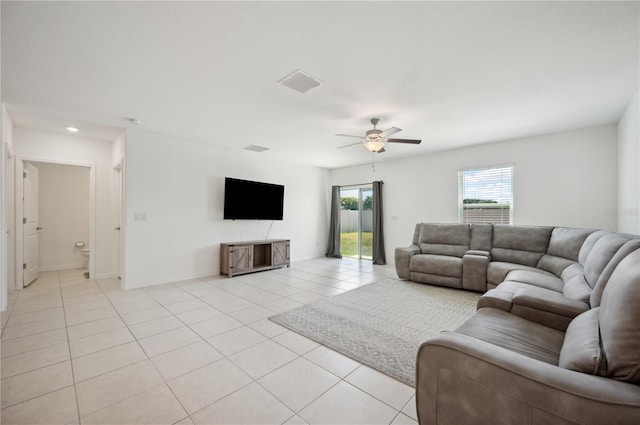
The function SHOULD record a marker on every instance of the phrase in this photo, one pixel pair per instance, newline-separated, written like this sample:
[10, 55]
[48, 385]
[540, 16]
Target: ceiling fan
[375, 140]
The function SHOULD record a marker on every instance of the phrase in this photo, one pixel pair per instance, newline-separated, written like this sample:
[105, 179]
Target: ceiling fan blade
[412, 141]
[351, 144]
[388, 132]
[349, 135]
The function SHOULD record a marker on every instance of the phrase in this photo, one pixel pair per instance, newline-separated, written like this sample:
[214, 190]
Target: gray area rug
[382, 324]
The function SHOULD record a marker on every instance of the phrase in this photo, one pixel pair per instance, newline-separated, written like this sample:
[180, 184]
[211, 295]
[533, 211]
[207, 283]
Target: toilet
[85, 253]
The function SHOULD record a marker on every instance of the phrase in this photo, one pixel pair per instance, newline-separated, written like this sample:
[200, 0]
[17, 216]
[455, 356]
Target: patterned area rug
[382, 324]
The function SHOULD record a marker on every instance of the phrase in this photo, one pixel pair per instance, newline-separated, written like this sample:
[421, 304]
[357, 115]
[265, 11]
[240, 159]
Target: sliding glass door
[356, 222]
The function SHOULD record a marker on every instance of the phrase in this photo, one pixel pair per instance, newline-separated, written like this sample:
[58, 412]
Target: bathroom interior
[63, 208]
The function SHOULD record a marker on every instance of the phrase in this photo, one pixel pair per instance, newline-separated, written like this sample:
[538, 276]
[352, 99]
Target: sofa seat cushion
[502, 296]
[515, 334]
[541, 305]
[441, 265]
[535, 278]
[497, 271]
[496, 298]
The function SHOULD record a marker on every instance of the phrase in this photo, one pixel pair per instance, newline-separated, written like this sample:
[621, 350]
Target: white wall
[63, 215]
[561, 179]
[179, 185]
[118, 149]
[7, 262]
[50, 147]
[628, 210]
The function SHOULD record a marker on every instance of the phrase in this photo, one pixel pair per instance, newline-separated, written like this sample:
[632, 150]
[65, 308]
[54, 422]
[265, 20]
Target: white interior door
[117, 219]
[31, 228]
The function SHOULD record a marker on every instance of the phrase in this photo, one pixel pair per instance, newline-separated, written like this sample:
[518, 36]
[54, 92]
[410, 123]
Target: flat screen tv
[250, 200]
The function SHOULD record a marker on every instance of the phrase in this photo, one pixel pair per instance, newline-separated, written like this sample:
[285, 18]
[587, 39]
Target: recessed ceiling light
[73, 129]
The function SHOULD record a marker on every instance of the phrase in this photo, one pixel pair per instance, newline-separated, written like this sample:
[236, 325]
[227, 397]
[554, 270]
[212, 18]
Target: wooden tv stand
[253, 256]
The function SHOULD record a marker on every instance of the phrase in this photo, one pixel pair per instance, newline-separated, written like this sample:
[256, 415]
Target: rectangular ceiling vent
[300, 82]
[256, 148]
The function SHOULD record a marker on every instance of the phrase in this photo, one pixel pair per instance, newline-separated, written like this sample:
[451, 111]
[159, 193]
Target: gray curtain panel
[333, 249]
[378, 233]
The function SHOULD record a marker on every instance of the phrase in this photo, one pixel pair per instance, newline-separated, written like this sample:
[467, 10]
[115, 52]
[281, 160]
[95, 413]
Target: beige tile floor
[77, 351]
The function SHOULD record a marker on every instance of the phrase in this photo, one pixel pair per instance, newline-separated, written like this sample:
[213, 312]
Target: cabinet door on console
[280, 253]
[241, 258]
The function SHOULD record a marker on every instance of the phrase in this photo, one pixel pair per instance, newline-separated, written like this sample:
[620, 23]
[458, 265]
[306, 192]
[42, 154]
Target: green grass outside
[349, 244]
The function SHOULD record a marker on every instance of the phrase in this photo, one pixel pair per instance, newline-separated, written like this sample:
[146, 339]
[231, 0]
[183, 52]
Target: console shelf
[253, 256]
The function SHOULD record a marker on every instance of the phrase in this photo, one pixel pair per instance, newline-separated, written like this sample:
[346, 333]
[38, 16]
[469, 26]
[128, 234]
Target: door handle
[38, 228]
[117, 228]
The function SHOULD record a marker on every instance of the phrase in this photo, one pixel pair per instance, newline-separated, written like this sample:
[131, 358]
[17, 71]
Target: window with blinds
[485, 195]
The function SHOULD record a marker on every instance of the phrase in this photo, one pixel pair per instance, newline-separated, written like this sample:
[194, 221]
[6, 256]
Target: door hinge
[24, 174]
[24, 220]
[24, 266]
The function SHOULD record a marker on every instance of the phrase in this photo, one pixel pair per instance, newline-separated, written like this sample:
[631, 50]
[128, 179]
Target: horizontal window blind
[485, 195]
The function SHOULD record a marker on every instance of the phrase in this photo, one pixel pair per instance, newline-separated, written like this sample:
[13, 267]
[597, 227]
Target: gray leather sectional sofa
[556, 337]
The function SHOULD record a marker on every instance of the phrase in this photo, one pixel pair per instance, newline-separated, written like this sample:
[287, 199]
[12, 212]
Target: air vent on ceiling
[300, 82]
[256, 148]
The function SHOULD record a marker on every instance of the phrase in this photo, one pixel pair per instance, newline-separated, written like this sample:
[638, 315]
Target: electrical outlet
[140, 216]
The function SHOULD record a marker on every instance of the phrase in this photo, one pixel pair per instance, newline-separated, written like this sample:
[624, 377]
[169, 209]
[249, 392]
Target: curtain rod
[359, 184]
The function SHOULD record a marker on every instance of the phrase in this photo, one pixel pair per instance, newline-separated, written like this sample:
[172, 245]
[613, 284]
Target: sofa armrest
[462, 380]
[474, 270]
[403, 258]
[478, 252]
[547, 307]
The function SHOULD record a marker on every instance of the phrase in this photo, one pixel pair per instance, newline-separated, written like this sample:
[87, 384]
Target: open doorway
[57, 220]
[356, 222]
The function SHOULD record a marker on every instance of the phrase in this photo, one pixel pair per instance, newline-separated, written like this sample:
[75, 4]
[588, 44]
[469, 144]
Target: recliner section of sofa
[454, 255]
[501, 368]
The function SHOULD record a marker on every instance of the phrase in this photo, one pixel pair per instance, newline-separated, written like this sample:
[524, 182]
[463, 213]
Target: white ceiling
[449, 73]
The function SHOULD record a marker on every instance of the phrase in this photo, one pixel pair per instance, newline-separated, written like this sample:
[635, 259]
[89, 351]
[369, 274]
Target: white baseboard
[104, 276]
[174, 279]
[62, 267]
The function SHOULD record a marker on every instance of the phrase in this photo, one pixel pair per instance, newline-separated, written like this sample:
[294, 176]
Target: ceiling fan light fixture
[374, 145]
[375, 140]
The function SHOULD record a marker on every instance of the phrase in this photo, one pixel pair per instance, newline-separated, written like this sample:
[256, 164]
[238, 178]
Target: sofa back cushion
[600, 255]
[588, 244]
[481, 237]
[520, 244]
[620, 320]
[596, 295]
[563, 250]
[566, 242]
[444, 239]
